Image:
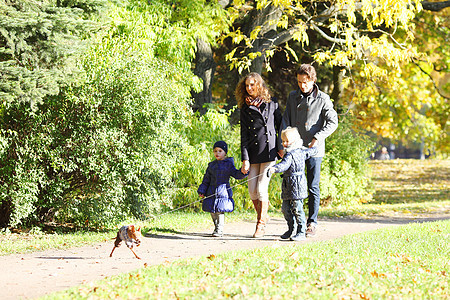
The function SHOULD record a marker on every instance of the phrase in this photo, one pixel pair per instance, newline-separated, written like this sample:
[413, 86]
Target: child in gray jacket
[294, 187]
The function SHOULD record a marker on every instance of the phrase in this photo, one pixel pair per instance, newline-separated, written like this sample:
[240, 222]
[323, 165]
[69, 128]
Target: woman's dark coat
[259, 132]
[294, 186]
[216, 185]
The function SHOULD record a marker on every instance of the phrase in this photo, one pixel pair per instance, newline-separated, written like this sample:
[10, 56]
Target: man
[312, 112]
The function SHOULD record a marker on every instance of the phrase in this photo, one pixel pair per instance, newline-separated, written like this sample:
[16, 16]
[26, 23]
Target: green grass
[403, 189]
[406, 262]
[410, 181]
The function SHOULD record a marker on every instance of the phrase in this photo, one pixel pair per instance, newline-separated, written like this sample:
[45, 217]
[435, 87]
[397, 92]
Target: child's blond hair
[291, 134]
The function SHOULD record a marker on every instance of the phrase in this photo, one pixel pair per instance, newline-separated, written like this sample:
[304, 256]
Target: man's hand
[313, 142]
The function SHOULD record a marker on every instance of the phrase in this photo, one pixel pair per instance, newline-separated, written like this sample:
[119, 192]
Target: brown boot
[264, 212]
[262, 219]
[258, 211]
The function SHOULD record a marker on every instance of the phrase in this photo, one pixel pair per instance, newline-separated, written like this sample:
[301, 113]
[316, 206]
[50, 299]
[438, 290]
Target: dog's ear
[139, 228]
[131, 227]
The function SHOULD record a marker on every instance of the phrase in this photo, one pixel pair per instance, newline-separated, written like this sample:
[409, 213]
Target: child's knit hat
[222, 145]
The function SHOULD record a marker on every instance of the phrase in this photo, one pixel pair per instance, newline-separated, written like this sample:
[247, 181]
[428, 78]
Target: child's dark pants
[295, 216]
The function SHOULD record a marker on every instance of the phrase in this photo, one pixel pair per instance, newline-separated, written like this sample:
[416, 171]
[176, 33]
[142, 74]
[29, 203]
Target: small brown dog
[130, 235]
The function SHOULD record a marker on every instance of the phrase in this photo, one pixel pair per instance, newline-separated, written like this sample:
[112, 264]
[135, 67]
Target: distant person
[312, 112]
[215, 187]
[384, 155]
[294, 188]
[392, 151]
[260, 119]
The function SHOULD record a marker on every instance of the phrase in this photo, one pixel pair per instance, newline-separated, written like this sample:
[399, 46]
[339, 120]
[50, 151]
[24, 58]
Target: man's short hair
[308, 70]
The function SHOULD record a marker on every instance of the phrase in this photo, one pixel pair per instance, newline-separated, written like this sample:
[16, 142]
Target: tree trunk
[204, 68]
[265, 19]
[338, 86]
[5, 213]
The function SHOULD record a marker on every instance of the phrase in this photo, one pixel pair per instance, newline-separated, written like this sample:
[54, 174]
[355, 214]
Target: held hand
[270, 171]
[313, 142]
[201, 196]
[281, 153]
[245, 167]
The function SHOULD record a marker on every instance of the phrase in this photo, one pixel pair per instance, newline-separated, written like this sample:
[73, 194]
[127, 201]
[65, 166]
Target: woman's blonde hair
[241, 91]
[291, 134]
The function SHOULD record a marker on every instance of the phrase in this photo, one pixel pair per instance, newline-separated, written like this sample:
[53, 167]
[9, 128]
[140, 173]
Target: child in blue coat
[215, 187]
[294, 187]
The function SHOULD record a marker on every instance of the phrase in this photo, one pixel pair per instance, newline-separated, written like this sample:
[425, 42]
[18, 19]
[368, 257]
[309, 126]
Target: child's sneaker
[217, 233]
[286, 235]
[298, 237]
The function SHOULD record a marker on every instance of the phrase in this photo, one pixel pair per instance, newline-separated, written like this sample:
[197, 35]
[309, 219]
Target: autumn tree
[369, 39]
[410, 104]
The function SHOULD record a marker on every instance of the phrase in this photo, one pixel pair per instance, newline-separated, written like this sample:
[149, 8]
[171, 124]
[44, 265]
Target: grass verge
[409, 261]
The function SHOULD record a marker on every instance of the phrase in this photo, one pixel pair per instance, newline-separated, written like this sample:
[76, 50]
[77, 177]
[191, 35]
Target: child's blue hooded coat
[216, 185]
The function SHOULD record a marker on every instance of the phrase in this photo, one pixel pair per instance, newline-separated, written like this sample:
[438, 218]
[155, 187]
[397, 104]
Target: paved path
[32, 275]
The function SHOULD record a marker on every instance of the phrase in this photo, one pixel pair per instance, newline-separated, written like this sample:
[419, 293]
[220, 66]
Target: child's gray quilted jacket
[294, 185]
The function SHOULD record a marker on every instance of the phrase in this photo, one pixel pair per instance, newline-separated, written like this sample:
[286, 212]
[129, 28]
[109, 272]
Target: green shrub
[201, 134]
[344, 178]
[103, 149]
[345, 175]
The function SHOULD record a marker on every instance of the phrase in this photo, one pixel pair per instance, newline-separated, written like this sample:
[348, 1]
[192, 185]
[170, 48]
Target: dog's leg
[116, 243]
[112, 251]
[134, 253]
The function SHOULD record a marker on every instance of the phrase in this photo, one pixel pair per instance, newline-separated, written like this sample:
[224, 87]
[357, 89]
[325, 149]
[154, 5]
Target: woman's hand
[245, 167]
[281, 153]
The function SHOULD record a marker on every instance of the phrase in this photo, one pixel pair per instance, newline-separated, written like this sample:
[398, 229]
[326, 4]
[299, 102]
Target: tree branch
[333, 10]
[435, 6]
[326, 36]
[431, 78]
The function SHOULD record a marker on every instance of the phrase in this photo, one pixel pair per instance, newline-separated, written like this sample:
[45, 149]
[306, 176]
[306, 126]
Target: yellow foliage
[283, 22]
[254, 55]
[321, 57]
[255, 32]
[261, 4]
[282, 3]
[354, 40]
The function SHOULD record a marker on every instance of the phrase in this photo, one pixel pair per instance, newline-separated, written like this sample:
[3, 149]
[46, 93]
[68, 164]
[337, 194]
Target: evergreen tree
[38, 41]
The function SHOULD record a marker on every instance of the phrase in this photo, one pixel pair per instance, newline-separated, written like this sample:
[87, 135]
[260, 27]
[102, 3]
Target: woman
[260, 144]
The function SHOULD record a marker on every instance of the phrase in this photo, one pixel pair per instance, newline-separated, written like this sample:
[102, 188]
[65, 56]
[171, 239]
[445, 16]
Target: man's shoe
[311, 230]
[286, 235]
[298, 237]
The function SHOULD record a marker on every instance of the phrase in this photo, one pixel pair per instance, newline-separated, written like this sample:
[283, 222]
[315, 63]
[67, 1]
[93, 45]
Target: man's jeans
[313, 165]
